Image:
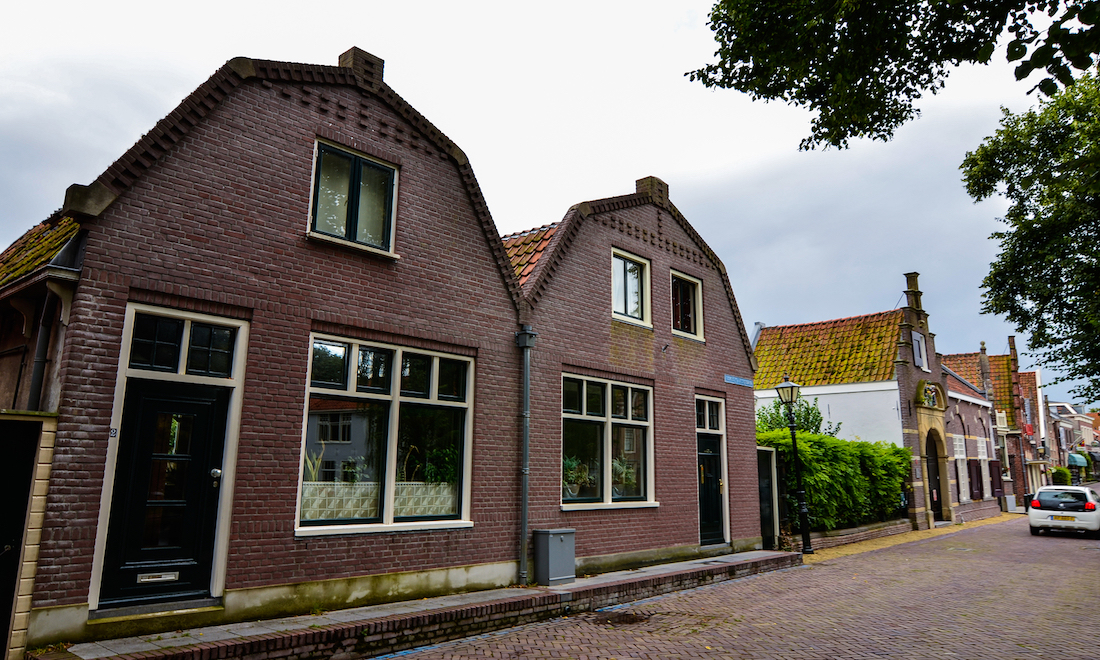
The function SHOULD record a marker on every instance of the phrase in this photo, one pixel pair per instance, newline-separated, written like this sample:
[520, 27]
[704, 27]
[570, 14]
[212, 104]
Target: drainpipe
[38, 371]
[525, 339]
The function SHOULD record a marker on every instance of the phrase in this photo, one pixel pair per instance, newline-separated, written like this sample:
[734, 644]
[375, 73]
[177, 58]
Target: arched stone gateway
[930, 402]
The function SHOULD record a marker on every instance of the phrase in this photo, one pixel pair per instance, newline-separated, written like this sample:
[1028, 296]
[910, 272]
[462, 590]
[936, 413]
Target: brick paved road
[987, 592]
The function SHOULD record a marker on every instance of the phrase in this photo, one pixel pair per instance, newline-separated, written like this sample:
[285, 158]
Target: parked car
[1068, 508]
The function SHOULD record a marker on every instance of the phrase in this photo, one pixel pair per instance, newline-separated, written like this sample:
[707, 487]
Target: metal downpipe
[41, 351]
[525, 339]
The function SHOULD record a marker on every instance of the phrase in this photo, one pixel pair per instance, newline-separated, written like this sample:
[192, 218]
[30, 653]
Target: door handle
[216, 473]
[700, 474]
[721, 486]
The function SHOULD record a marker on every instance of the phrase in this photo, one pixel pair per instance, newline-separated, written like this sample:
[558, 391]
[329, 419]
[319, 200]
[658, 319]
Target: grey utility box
[555, 561]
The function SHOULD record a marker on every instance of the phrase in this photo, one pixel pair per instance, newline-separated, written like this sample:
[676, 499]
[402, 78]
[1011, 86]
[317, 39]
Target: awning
[1077, 460]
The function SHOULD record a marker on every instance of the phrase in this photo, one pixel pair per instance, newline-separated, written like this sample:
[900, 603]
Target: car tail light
[1089, 506]
[1035, 504]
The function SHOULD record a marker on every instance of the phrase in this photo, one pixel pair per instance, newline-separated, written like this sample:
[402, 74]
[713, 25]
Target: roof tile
[525, 248]
[35, 248]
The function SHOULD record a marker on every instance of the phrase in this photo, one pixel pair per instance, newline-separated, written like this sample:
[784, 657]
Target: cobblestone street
[988, 592]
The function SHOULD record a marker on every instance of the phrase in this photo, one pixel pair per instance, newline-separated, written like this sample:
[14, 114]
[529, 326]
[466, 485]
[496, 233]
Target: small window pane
[700, 414]
[618, 401]
[344, 460]
[373, 374]
[210, 350]
[714, 415]
[581, 469]
[639, 405]
[452, 379]
[626, 282]
[156, 343]
[571, 396]
[594, 398]
[429, 461]
[627, 462]
[374, 198]
[330, 364]
[416, 374]
[333, 185]
[683, 305]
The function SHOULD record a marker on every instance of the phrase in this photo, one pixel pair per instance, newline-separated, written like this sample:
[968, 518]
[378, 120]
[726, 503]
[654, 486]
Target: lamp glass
[788, 391]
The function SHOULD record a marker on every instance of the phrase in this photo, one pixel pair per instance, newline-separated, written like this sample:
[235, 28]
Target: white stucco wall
[866, 411]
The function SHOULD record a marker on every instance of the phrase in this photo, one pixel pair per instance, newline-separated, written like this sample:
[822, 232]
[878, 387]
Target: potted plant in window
[624, 479]
[574, 476]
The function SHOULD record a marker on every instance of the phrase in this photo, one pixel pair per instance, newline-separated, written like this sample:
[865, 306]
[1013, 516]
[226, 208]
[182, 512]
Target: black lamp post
[788, 394]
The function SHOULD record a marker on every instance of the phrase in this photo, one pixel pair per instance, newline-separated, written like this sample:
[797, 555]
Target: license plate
[1070, 518]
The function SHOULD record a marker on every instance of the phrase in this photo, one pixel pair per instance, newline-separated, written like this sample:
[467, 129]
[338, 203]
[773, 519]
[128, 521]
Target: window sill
[332, 240]
[600, 506]
[687, 335]
[377, 528]
[631, 321]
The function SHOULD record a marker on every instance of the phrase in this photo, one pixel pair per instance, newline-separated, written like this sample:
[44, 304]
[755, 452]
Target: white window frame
[232, 432]
[698, 300]
[646, 288]
[920, 352]
[395, 399]
[388, 251]
[605, 459]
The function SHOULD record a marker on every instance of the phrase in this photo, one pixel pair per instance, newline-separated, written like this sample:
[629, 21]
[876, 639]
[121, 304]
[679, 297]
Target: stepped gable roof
[857, 349]
[649, 190]
[357, 68]
[36, 248]
[525, 248]
[965, 365]
[1000, 368]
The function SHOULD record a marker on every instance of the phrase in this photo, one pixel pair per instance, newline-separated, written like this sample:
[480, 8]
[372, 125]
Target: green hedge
[1061, 476]
[848, 483]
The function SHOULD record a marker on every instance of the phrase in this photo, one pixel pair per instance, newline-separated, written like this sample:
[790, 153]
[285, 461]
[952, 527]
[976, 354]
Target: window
[157, 344]
[353, 198]
[629, 288]
[920, 352]
[687, 306]
[708, 414]
[384, 448]
[606, 443]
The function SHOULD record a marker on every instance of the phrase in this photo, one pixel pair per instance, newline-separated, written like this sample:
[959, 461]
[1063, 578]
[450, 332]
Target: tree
[1046, 279]
[861, 65]
[807, 418]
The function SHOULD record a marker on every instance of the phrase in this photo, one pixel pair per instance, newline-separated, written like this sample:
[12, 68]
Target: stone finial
[366, 66]
[653, 187]
[912, 291]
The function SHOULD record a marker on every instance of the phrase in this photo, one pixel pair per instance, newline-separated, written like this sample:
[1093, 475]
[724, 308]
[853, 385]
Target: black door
[18, 443]
[160, 541]
[710, 490]
[935, 493]
[765, 467]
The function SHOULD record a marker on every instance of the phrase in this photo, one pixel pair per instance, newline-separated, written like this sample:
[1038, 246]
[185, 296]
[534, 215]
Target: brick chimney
[366, 66]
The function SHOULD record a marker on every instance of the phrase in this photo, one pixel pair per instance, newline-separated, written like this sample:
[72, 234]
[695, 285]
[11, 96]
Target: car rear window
[1055, 499]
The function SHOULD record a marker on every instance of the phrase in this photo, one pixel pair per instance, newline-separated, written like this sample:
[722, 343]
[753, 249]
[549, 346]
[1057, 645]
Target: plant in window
[574, 475]
[313, 464]
[624, 478]
[441, 466]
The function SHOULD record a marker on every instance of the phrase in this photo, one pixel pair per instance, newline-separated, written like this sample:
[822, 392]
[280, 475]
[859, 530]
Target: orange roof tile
[960, 385]
[35, 248]
[1000, 367]
[858, 349]
[525, 248]
[965, 365]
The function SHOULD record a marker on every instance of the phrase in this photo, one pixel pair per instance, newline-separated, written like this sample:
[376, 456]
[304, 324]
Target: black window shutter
[995, 478]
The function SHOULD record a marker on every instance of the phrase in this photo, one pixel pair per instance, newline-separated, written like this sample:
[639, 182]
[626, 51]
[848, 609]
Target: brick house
[268, 363]
[880, 377]
[292, 292]
[641, 385]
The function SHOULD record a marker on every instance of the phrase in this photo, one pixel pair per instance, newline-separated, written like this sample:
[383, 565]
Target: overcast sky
[554, 103]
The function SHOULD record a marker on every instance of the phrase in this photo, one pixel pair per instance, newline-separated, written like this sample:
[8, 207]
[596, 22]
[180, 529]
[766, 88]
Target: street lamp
[788, 394]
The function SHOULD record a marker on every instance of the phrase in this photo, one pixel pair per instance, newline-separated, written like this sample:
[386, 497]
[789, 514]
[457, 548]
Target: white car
[1067, 508]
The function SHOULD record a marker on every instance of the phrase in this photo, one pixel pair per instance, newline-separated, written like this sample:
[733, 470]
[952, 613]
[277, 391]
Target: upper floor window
[687, 305]
[630, 287]
[353, 198]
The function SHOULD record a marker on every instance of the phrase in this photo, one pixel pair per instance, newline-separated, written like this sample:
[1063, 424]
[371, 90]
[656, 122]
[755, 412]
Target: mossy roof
[966, 365]
[1000, 369]
[525, 248]
[36, 248]
[857, 349]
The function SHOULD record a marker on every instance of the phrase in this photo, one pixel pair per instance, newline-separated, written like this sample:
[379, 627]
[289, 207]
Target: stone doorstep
[380, 635]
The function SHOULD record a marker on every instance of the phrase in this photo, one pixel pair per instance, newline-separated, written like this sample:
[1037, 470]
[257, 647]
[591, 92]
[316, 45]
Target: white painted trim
[843, 388]
[375, 528]
[647, 289]
[722, 451]
[229, 451]
[604, 506]
[969, 399]
[698, 336]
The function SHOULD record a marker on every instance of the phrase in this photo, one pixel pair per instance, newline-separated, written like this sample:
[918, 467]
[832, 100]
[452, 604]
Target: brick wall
[218, 225]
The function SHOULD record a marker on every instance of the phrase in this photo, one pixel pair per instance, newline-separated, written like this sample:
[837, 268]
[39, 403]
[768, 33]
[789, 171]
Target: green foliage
[575, 471]
[847, 482]
[1046, 278]
[1061, 476]
[807, 417]
[861, 65]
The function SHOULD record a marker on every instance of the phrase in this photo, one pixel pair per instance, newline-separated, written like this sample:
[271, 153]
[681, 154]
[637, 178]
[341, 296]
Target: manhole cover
[621, 618]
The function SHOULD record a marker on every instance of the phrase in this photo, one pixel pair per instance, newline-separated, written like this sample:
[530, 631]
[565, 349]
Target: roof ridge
[838, 320]
[530, 231]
